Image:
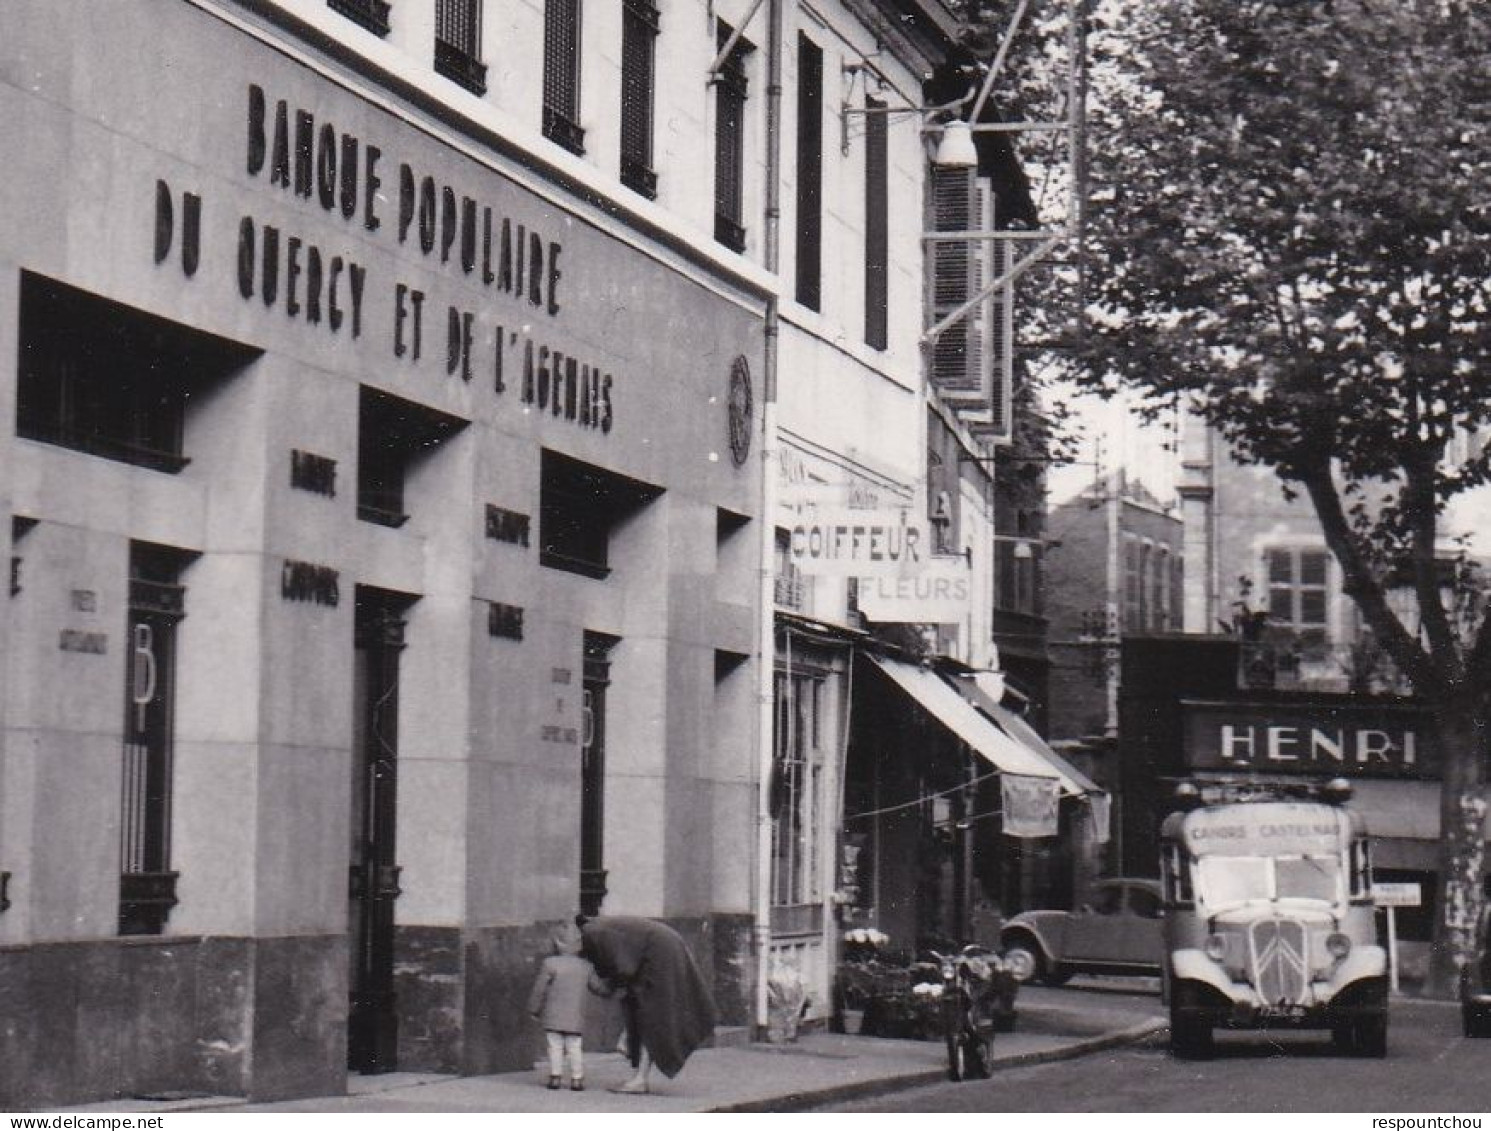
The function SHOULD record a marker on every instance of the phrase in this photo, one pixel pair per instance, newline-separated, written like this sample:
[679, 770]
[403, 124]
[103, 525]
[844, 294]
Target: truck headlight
[1338, 945]
[1216, 948]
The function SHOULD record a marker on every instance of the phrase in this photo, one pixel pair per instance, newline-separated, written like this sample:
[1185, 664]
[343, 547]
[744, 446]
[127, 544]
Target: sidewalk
[819, 1068]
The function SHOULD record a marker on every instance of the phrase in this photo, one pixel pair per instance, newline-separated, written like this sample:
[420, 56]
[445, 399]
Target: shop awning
[963, 719]
[1023, 733]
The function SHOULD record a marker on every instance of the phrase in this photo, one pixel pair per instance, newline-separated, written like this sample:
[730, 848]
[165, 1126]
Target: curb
[885, 1085]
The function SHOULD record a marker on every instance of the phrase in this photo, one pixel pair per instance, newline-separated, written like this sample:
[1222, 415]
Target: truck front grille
[1280, 962]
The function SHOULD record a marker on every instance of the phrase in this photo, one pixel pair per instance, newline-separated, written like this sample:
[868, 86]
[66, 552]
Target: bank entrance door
[372, 1037]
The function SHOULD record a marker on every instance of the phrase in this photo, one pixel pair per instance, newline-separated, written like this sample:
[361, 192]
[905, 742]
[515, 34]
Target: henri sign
[1366, 740]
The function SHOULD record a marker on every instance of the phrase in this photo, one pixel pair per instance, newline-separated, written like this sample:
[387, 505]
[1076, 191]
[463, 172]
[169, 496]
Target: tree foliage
[1289, 232]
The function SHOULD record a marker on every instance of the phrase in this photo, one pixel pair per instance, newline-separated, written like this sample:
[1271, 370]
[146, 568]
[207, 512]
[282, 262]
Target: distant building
[1114, 568]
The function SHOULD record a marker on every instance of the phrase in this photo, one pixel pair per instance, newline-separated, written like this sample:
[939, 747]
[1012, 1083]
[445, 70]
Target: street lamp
[955, 149]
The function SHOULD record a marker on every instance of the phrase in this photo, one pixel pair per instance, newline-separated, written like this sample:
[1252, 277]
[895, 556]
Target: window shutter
[954, 268]
[972, 360]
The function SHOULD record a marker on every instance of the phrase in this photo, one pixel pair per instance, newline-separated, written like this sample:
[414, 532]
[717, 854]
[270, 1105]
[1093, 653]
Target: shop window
[639, 31]
[796, 791]
[1298, 595]
[729, 144]
[393, 436]
[580, 506]
[809, 173]
[109, 380]
[877, 225]
[157, 604]
[562, 74]
[458, 43]
[369, 14]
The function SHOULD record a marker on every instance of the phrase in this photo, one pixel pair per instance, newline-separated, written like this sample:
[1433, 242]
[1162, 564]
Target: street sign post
[1393, 896]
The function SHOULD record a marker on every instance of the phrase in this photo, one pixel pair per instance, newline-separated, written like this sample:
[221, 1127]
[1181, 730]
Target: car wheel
[1369, 1037]
[1023, 960]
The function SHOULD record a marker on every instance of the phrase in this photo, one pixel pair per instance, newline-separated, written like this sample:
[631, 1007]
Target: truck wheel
[1370, 1036]
[1190, 1038]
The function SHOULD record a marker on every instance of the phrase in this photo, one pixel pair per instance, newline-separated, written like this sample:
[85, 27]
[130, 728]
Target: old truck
[1268, 918]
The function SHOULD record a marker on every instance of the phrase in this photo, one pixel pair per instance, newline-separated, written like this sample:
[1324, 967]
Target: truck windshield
[1227, 880]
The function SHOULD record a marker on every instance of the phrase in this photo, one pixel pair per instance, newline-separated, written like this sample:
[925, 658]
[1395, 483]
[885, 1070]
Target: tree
[1288, 233]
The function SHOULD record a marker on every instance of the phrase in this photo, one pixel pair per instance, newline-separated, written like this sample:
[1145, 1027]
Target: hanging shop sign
[941, 592]
[1367, 740]
[1030, 805]
[844, 542]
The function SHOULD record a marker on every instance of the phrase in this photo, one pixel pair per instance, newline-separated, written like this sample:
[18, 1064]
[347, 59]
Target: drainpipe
[766, 659]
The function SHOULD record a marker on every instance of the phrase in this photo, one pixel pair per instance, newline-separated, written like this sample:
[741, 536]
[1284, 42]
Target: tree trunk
[1462, 729]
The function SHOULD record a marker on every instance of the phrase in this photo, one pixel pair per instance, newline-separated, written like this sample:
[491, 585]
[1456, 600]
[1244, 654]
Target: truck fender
[1190, 965]
[1362, 962]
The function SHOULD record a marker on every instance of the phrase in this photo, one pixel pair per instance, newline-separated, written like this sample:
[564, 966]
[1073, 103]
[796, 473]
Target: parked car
[1475, 983]
[1116, 932]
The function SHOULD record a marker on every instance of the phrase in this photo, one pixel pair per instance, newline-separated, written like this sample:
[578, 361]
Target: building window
[1132, 584]
[1162, 590]
[1297, 595]
[789, 586]
[108, 380]
[580, 507]
[393, 437]
[562, 74]
[639, 31]
[729, 144]
[370, 14]
[796, 790]
[597, 678]
[157, 604]
[1146, 614]
[458, 43]
[877, 225]
[809, 173]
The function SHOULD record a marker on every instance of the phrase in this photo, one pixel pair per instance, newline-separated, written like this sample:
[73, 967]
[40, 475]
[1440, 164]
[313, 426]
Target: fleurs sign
[1360, 740]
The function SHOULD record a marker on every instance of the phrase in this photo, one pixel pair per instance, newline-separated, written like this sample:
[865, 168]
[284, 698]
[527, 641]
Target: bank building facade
[379, 473]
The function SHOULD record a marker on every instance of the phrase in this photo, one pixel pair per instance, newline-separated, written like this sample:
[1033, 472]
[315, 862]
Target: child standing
[558, 1004]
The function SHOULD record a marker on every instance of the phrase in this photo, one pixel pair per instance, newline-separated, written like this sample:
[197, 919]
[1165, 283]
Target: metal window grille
[809, 173]
[729, 145]
[562, 74]
[877, 221]
[147, 888]
[597, 678]
[639, 31]
[370, 14]
[458, 25]
[458, 43]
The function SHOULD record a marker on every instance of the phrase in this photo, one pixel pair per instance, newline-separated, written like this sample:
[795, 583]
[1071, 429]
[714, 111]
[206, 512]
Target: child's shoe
[553, 1083]
[577, 1085]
